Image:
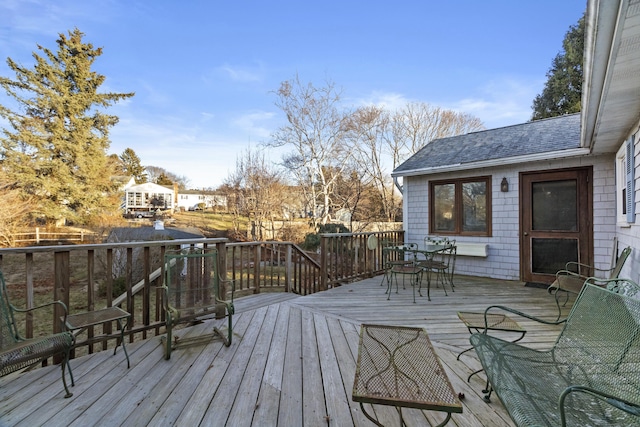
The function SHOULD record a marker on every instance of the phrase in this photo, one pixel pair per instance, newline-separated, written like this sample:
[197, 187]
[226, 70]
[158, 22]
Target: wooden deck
[292, 363]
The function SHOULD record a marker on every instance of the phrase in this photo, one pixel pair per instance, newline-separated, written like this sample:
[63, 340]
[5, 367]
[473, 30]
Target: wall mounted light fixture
[504, 185]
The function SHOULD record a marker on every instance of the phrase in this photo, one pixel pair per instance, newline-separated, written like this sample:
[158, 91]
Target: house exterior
[147, 197]
[536, 195]
[190, 200]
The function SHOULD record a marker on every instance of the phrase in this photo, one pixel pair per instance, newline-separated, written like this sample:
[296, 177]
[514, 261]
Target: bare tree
[418, 124]
[259, 192]
[371, 139]
[316, 132]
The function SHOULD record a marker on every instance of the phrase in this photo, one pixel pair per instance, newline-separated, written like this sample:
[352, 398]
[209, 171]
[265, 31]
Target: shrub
[312, 240]
[118, 288]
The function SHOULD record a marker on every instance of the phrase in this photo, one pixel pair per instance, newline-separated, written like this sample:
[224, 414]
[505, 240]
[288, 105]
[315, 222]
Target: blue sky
[204, 71]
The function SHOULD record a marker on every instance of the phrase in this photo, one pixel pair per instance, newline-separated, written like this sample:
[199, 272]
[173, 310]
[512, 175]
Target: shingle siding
[503, 259]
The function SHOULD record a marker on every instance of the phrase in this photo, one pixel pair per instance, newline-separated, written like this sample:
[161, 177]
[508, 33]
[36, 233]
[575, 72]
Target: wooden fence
[38, 236]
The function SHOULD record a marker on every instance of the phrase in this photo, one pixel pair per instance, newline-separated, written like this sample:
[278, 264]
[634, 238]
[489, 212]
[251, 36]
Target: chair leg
[65, 363]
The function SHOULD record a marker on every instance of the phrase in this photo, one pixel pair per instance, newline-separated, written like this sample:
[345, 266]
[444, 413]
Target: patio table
[78, 322]
[397, 366]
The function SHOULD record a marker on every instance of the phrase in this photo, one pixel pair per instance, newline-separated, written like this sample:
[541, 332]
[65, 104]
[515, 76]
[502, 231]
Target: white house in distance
[141, 199]
[522, 200]
[192, 200]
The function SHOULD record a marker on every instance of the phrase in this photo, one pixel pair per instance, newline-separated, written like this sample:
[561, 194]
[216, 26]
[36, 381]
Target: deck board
[292, 363]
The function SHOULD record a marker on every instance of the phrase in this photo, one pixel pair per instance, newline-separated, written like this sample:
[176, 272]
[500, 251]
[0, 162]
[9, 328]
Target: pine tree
[56, 149]
[563, 90]
[164, 180]
[132, 166]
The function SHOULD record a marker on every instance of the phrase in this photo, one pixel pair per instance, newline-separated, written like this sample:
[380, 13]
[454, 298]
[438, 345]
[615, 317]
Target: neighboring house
[538, 194]
[148, 197]
[193, 199]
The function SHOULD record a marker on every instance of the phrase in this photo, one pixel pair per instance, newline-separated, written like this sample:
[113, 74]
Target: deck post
[287, 268]
[324, 253]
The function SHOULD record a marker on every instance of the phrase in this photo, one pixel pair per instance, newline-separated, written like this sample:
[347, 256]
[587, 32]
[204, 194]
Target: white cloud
[500, 102]
[242, 74]
[252, 124]
[196, 152]
[388, 100]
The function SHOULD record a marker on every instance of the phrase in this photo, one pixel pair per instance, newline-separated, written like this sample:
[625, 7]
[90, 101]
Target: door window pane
[444, 213]
[555, 206]
[550, 255]
[474, 206]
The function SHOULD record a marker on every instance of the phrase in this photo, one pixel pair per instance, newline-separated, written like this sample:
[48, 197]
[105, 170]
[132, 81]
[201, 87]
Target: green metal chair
[17, 352]
[193, 289]
[443, 262]
[572, 278]
[403, 255]
[401, 262]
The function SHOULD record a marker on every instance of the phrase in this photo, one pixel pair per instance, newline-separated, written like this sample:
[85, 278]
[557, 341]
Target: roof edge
[549, 155]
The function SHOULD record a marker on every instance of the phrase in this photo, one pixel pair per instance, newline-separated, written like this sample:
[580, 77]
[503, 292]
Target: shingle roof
[541, 136]
[136, 234]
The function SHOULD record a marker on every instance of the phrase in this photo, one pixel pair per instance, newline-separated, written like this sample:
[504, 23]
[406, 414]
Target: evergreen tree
[131, 165]
[164, 180]
[563, 91]
[56, 149]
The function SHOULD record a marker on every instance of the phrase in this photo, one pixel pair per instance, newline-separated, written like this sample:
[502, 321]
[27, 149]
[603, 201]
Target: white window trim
[625, 183]
[621, 184]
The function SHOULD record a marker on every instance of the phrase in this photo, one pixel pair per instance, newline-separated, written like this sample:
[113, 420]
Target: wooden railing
[346, 257]
[129, 275]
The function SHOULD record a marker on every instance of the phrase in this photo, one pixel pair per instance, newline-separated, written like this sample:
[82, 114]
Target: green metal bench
[591, 375]
[193, 290]
[17, 352]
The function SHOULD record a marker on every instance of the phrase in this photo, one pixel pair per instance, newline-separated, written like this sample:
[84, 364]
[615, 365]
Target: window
[625, 183]
[461, 206]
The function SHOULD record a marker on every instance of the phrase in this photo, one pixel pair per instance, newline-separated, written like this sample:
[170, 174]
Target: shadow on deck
[292, 363]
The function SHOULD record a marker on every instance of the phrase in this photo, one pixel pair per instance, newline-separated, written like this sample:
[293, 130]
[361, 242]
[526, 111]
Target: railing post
[221, 269]
[324, 274]
[287, 268]
[29, 296]
[257, 259]
[146, 293]
[90, 296]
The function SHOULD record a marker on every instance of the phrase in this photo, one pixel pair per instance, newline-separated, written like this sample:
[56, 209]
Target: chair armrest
[577, 266]
[233, 288]
[58, 302]
[612, 400]
[165, 297]
[522, 314]
[570, 273]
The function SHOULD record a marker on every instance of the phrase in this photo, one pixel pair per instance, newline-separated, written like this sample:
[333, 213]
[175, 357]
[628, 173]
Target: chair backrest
[436, 240]
[390, 254]
[191, 277]
[603, 327]
[8, 331]
[620, 263]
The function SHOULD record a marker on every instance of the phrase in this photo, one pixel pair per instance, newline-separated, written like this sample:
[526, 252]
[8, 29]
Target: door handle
[526, 234]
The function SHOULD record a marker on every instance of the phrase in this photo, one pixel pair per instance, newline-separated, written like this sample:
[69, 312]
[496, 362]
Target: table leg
[124, 347]
[446, 420]
[373, 420]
